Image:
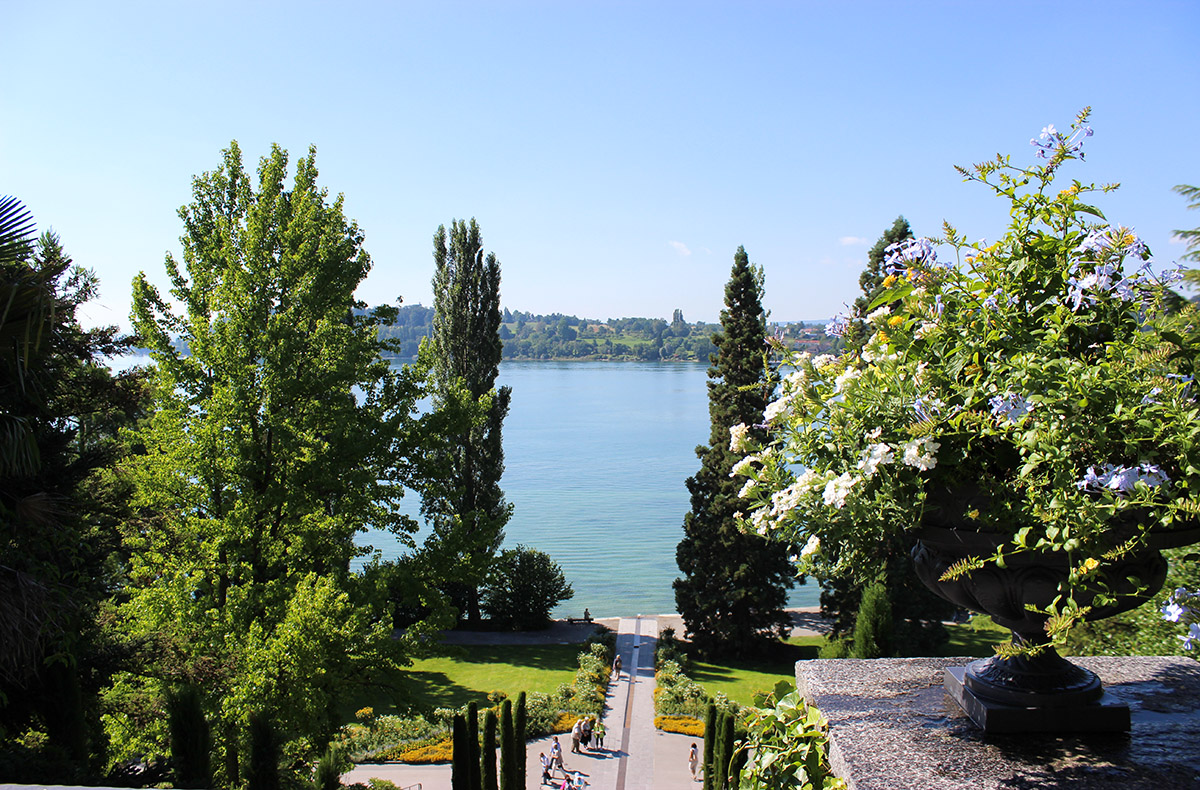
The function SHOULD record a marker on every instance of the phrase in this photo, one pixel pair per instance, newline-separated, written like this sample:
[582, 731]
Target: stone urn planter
[1043, 692]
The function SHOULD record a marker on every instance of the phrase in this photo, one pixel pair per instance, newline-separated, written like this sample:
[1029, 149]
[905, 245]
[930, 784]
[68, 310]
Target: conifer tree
[462, 498]
[734, 588]
[487, 753]
[520, 717]
[871, 282]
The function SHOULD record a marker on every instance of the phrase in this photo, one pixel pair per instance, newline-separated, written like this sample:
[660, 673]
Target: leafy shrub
[786, 741]
[677, 694]
[686, 725]
[835, 648]
[522, 587]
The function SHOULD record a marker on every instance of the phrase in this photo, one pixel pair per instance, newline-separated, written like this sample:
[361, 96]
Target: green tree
[523, 586]
[461, 496]
[60, 414]
[278, 437]
[871, 282]
[734, 588]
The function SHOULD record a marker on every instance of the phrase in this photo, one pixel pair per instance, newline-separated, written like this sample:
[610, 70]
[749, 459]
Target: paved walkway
[636, 756]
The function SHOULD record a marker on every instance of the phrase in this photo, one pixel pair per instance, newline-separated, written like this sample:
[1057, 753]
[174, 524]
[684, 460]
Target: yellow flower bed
[565, 722]
[685, 725]
[440, 752]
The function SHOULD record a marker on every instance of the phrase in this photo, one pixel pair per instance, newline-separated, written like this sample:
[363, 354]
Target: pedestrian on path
[694, 761]
[587, 733]
[598, 734]
[576, 736]
[556, 755]
[616, 669]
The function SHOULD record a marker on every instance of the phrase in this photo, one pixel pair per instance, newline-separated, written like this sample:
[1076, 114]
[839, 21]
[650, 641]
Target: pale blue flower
[838, 326]
[1174, 611]
[1191, 637]
[1010, 407]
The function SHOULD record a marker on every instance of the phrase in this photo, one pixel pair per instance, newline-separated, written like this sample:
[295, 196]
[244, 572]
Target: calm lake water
[596, 455]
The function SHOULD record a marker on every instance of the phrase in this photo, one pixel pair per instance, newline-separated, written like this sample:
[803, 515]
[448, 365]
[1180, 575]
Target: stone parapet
[893, 726]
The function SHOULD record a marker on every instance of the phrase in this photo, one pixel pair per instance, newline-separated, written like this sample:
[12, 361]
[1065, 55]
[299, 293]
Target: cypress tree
[191, 740]
[262, 769]
[720, 757]
[460, 755]
[487, 768]
[476, 779]
[734, 588]
[520, 738]
[873, 626]
[728, 734]
[327, 776]
[508, 748]
[710, 741]
[462, 498]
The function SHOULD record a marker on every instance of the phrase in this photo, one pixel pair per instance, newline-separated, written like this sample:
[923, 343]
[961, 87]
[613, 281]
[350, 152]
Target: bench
[577, 620]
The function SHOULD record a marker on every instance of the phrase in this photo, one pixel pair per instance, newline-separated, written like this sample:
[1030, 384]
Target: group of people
[583, 733]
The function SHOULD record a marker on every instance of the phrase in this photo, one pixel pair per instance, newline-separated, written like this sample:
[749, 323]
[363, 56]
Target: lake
[596, 455]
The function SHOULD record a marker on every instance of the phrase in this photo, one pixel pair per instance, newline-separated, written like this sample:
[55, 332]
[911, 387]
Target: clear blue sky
[615, 154]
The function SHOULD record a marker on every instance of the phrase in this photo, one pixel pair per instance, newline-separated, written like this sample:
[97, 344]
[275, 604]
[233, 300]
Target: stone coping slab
[893, 726]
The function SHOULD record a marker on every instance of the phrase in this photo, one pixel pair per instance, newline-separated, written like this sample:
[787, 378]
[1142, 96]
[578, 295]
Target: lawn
[454, 680]
[740, 680]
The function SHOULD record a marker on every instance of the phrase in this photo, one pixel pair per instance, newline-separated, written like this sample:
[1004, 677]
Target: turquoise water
[596, 455]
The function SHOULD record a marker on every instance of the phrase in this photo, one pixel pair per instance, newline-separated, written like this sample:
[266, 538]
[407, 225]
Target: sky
[615, 154]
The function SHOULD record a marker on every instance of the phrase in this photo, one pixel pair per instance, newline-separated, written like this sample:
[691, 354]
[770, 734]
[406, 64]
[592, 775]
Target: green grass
[740, 680]
[454, 680]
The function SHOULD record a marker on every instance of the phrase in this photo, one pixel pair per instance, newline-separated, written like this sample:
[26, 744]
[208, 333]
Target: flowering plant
[1039, 387]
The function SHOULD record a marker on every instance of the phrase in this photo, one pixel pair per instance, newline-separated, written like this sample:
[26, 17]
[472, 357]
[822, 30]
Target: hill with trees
[556, 336]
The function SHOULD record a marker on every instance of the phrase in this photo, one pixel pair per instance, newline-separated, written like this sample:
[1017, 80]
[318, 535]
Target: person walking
[545, 768]
[694, 762]
[616, 667]
[587, 733]
[598, 734]
[556, 760]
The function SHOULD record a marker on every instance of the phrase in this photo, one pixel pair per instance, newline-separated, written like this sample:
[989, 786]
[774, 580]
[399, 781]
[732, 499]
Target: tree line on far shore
[531, 336]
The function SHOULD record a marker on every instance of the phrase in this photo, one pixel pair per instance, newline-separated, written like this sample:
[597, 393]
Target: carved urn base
[1042, 692]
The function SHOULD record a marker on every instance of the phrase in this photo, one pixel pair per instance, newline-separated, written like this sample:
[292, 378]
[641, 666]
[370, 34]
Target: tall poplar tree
[461, 496]
[276, 437]
[734, 588]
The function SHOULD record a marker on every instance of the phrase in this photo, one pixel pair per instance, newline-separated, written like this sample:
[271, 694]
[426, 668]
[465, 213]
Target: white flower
[837, 489]
[848, 376]
[796, 379]
[926, 329]
[812, 547]
[743, 466]
[824, 360]
[737, 438]
[786, 500]
[776, 408]
[921, 453]
[808, 481]
[880, 314]
[873, 457]
[746, 489]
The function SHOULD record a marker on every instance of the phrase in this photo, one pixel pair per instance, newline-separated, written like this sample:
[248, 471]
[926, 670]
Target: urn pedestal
[1042, 692]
